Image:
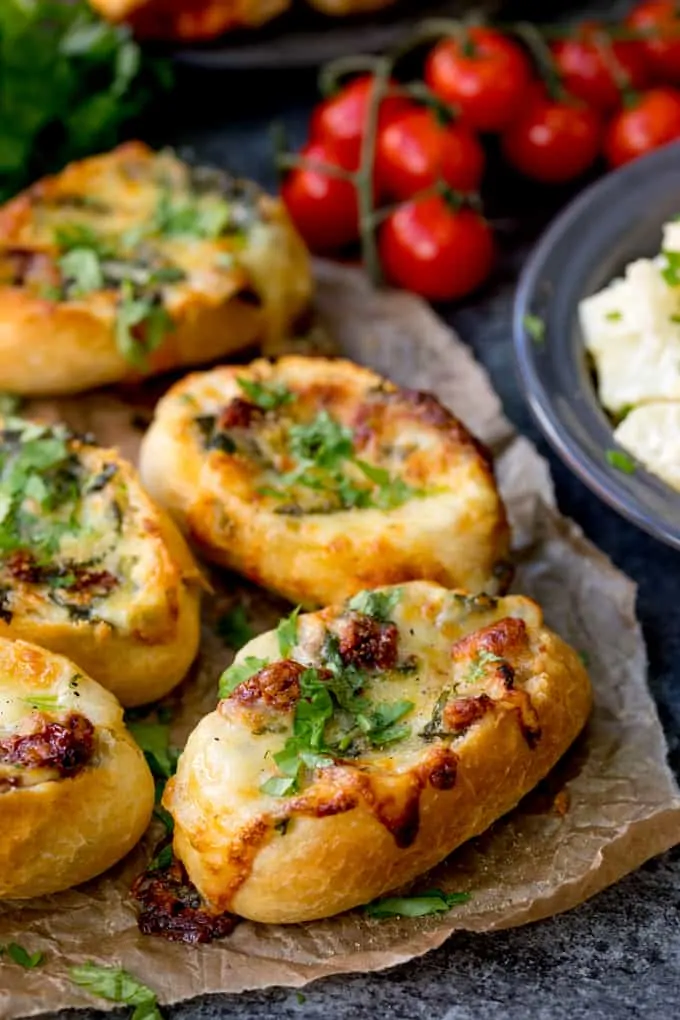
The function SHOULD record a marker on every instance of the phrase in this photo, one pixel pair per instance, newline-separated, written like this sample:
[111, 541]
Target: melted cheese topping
[312, 453]
[146, 214]
[238, 744]
[77, 532]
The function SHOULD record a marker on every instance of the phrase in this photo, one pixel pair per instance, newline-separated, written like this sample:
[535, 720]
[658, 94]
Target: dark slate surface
[617, 956]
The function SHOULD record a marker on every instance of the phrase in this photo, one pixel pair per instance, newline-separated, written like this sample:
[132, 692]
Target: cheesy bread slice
[75, 791]
[356, 747]
[89, 566]
[316, 478]
[132, 263]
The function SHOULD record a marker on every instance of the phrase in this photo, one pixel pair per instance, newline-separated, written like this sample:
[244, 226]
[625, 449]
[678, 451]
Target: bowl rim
[601, 478]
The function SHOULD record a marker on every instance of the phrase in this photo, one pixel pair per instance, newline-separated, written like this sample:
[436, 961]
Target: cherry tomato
[322, 206]
[553, 141]
[415, 150]
[589, 68]
[436, 251]
[661, 18]
[341, 120]
[653, 121]
[486, 80]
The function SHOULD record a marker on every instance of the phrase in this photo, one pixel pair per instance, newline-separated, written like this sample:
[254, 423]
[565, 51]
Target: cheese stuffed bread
[89, 566]
[132, 263]
[356, 747]
[75, 791]
[316, 477]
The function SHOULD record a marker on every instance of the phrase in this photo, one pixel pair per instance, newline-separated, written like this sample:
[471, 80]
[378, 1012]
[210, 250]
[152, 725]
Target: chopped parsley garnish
[434, 901]
[21, 956]
[117, 985]
[378, 604]
[234, 629]
[613, 316]
[44, 702]
[77, 236]
[162, 860]
[286, 633]
[136, 310]
[40, 483]
[81, 271]
[479, 667]
[535, 327]
[10, 403]
[324, 450]
[154, 740]
[333, 718]
[238, 672]
[671, 269]
[621, 461]
[267, 396]
[192, 217]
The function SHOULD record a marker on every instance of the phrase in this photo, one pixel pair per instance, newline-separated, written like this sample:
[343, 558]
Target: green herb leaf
[278, 786]
[162, 860]
[234, 629]
[76, 236]
[378, 604]
[434, 901]
[267, 396]
[199, 217]
[10, 404]
[134, 311]
[300, 997]
[671, 269]
[44, 702]
[117, 985]
[613, 316]
[286, 633]
[154, 740]
[479, 667]
[238, 672]
[621, 461]
[323, 442]
[82, 271]
[21, 956]
[535, 327]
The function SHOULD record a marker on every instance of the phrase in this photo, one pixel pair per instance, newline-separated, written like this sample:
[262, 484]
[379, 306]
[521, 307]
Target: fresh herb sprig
[69, 81]
[21, 956]
[434, 901]
[117, 985]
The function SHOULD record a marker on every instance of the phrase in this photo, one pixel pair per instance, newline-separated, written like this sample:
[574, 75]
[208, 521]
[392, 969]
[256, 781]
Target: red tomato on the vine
[651, 121]
[323, 206]
[589, 66]
[341, 120]
[661, 18]
[434, 250]
[486, 76]
[415, 150]
[553, 141]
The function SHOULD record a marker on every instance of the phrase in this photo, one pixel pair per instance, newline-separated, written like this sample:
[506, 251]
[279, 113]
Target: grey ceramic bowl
[616, 220]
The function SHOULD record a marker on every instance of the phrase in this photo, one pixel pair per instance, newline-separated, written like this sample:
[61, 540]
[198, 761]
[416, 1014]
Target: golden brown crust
[55, 344]
[206, 19]
[316, 551]
[496, 700]
[59, 832]
[138, 633]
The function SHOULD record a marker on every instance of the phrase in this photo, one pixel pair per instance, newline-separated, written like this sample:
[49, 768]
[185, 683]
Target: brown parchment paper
[608, 806]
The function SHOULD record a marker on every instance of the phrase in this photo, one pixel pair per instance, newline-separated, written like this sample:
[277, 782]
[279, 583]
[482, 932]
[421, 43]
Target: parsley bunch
[69, 81]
